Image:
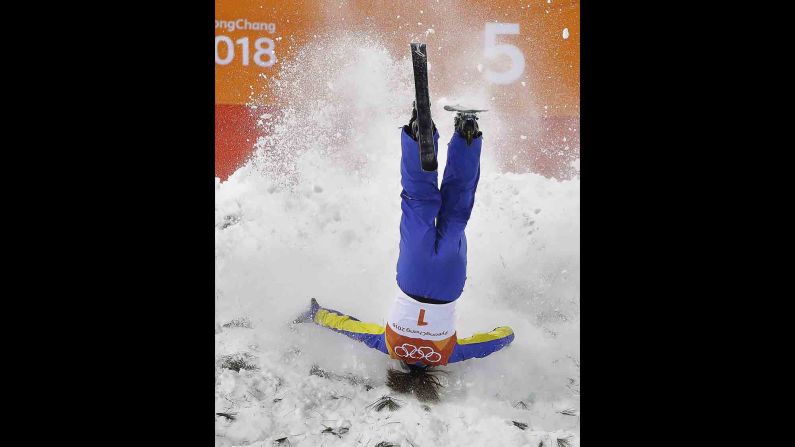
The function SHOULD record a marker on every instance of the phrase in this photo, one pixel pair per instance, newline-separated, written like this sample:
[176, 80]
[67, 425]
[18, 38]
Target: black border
[136, 342]
[649, 307]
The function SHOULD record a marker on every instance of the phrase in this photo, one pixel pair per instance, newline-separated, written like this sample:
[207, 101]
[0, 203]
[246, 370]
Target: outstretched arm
[370, 334]
[480, 345]
[373, 335]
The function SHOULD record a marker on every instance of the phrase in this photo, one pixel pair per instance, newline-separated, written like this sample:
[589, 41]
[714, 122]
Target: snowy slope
[315, 214]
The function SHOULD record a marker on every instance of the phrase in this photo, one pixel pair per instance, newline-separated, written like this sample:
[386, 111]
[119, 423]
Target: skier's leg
[459, 183]
[420, 204]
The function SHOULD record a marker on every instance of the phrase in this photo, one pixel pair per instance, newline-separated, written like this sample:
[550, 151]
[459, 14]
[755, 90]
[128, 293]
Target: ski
[419, 57]
[461, 109]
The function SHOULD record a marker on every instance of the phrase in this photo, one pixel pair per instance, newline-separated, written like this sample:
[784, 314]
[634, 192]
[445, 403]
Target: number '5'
[492, 49]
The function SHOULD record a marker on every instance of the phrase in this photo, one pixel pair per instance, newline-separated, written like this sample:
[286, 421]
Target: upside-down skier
[431, 268]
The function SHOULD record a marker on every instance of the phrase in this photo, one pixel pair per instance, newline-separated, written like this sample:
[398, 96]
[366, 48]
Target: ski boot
[413, 128]
[466, 124]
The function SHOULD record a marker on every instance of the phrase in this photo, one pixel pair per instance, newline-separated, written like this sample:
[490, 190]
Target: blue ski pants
[433, 247]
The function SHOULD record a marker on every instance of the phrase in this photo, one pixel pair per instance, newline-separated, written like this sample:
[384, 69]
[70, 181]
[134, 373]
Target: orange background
[550, 97]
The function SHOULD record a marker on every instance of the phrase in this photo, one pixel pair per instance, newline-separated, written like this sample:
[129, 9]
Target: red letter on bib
[420, 321]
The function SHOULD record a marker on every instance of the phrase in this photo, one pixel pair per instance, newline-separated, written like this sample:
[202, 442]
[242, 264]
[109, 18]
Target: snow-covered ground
[315, 214]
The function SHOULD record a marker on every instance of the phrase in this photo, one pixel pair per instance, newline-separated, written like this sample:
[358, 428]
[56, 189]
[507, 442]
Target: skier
[431, 267]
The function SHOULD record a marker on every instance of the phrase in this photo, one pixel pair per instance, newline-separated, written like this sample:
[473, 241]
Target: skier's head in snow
[420, 330]
[431, 268]
[422, 380]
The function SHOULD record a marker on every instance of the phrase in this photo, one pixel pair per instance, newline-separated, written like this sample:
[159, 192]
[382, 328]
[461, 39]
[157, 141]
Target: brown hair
[421, 380]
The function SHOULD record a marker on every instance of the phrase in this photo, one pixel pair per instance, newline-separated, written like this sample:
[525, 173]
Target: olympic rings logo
[413, 352]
